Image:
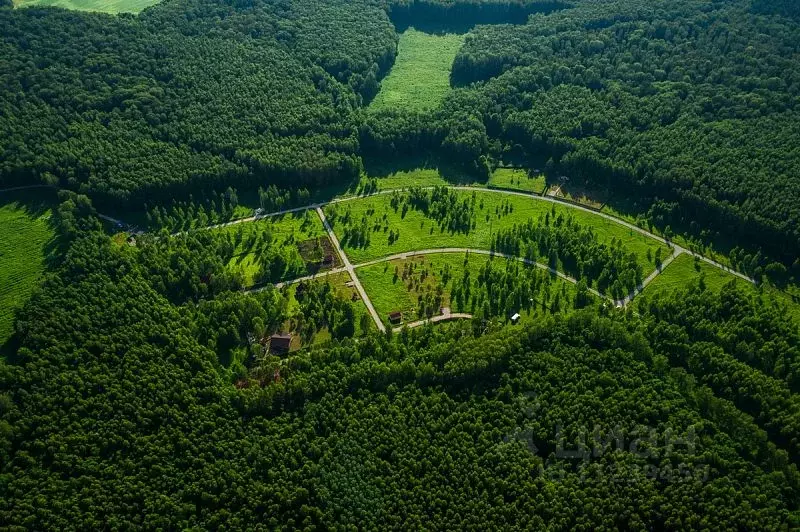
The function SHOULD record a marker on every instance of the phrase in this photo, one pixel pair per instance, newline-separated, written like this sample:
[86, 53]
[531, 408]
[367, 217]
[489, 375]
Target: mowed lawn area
[685, 270]
[25, 233]
[420, 77]
[288, 233]
[398, 285]
[417, 231]
[104, 6]
[517, 179]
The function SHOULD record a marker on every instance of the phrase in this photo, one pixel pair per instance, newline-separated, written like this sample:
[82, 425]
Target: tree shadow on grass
[36, 203]
[382, 167]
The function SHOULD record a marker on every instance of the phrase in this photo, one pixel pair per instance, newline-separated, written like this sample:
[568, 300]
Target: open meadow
[420, 77]
[24, 239]
[299, 236]
[395, 231]
[517, 179]
[103, 6]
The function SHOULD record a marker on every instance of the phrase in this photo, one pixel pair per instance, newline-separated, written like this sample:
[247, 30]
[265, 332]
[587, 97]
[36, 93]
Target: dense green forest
[685, 109]
[117, 412]
[141, 387]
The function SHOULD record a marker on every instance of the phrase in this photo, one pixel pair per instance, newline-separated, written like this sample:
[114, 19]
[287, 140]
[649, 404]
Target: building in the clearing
[396, 317]
[515, 318]
[280, 344]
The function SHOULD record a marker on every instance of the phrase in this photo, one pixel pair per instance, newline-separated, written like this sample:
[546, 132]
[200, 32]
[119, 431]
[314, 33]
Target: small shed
[395, 317]
[280, 344]
[515, 318]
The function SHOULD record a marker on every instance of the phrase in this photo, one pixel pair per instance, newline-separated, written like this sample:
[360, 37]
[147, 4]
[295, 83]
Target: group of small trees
[565, 244]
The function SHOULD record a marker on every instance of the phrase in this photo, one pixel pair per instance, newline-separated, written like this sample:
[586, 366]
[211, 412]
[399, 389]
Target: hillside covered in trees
[686, 109]
[141, 387]
[117, 412]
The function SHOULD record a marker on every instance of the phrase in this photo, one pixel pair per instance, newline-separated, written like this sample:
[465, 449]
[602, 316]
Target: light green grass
[287, 232]
[25, 233]
[422, 177]
[104, 6]
[684, 270]
[517, 179]
[420, 232]
[420, 77]
[389, 292]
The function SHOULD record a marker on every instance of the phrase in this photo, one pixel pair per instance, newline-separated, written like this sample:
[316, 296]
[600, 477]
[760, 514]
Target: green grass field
[390, 292]
[339, 283]
[104, 6]
[422, 177]
[420, 232]
[517, 179]
[287, 232]
[682, 271]
[25, 233]
[685, 270]
[420, 77]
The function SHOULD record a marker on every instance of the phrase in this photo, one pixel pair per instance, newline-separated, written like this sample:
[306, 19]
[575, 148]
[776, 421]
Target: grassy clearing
[422, 177]
[517, 179]
[339, 282]
[399, 285]
[25, 234]
[104, 6]
[417, 231]
[685, 270]
[286, 232]
[420, 77]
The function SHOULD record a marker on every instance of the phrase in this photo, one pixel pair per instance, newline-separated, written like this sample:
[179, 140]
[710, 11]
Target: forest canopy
[688, 107]
[150, 382]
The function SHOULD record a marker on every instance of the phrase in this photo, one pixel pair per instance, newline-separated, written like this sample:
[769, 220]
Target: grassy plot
[341, 285]
[420, 77]
[685, 270]
[415, 231]
[418, 286]
[300, 236]
[517, 179]
[25, 234]
[105, 6]
[420, 177]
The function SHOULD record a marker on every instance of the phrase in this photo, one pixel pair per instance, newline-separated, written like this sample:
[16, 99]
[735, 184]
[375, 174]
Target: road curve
[474, 251]
[677, 248]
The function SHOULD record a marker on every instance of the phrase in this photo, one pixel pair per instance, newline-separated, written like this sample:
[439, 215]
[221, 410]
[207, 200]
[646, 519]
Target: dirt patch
[319, 254]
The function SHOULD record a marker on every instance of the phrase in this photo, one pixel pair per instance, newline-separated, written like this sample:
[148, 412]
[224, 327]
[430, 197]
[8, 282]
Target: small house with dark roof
[395, 317]
[280, 344]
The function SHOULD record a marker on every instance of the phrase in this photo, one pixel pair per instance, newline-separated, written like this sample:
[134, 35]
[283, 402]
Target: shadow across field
[382, 168]
[28, 247]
